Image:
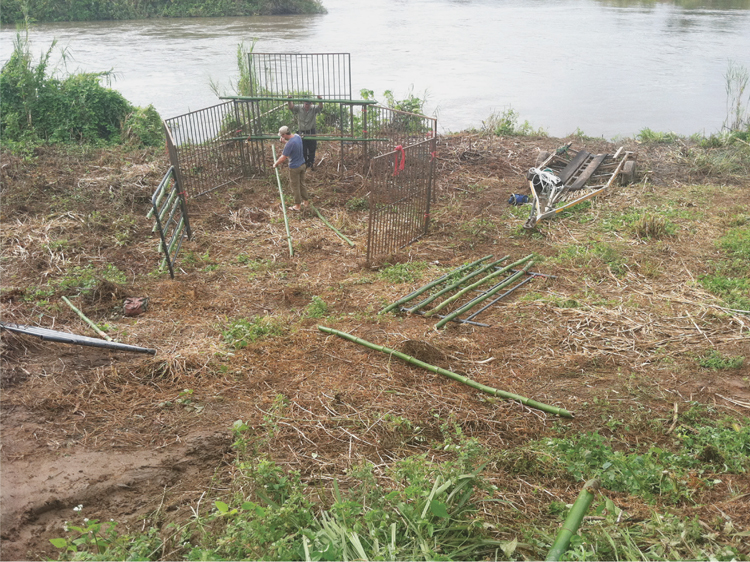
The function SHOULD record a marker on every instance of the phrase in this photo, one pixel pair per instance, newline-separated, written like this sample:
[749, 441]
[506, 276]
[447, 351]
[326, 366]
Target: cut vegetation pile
[253, 434]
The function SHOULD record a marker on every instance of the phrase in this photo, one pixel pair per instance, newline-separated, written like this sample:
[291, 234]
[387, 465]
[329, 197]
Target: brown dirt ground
[102, 428]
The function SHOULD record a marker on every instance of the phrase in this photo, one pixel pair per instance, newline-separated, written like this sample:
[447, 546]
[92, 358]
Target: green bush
[143, 127]
[38, 107]
[15, 11]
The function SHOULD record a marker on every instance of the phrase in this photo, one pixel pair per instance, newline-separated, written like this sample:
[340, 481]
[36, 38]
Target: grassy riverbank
[254, 434]
[15, 11]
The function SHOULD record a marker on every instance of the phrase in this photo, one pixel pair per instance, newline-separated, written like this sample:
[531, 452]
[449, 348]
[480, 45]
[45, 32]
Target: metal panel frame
[169, 210]
[203, 149]
[400, 196]
[328, 75]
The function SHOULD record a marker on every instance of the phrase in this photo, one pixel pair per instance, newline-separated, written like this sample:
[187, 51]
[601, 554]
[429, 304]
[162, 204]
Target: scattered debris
[134, 306]
[568, 177]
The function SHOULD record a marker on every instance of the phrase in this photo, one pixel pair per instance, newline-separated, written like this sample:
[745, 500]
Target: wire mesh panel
[204, 148]
[399, 127]
[323, 74]
[401, 181]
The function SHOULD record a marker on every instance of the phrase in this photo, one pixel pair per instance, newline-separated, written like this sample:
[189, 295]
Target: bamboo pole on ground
[329, 225]
[283, 205]
[89, 322]
[573, 520]
[482, 281]
[485, 296]
[455, 285]
[450, 374]
[432, 284]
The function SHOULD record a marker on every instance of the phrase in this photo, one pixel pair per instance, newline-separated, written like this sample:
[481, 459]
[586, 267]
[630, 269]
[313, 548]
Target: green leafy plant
[85, 279]
[716, 361]
[317, 308]
[730, 279]
[36, 106]
[240, 332]
[648, 136]
[506, 124]
[403, 272]
[357, 204]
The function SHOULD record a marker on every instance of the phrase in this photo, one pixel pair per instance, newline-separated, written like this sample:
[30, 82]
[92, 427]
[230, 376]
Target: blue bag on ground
[517, 199]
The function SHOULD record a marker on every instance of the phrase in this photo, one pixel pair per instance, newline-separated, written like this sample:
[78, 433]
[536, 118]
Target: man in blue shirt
[293, 152]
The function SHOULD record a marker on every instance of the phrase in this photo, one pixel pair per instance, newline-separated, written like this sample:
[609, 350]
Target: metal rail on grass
[65, 337]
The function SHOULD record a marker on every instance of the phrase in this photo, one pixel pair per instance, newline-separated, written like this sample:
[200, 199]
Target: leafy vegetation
[656, 473]
[716, 361]
[240, 332]
[16, 11]
[506, 124]
[317, 308]
[83, 280]
[730, 279]
[403, 272]
[38, 107]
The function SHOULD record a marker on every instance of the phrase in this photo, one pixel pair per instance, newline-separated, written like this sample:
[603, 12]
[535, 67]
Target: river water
[605, 67]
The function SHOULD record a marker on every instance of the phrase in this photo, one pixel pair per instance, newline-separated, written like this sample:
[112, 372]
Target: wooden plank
[573, 166]
[588, 172]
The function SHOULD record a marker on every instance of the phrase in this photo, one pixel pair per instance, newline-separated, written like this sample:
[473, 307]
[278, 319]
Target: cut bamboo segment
[450, 374]
[482, 281]
[432, 284]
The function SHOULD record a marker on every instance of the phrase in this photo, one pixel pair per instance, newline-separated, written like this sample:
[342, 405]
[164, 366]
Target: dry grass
[599, 342]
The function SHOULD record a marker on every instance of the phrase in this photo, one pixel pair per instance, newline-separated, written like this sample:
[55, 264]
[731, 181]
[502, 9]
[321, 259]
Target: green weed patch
[240, 332]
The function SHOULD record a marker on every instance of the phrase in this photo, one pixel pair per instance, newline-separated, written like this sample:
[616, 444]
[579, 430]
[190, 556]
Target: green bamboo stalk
[455, 285]
[473, 286]
[430, 285]
[573, 520]
[450, 374]
[283, 205]
[488, 294]
[89, 322]
[344, 238]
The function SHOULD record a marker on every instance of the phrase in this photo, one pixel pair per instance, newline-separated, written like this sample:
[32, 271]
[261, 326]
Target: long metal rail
[65, 337]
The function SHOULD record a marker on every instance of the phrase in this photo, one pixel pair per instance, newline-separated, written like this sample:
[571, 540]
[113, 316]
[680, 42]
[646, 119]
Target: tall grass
[738, 98]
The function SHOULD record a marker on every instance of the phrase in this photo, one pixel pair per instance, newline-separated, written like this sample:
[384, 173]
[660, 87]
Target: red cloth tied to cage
[398, 167]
